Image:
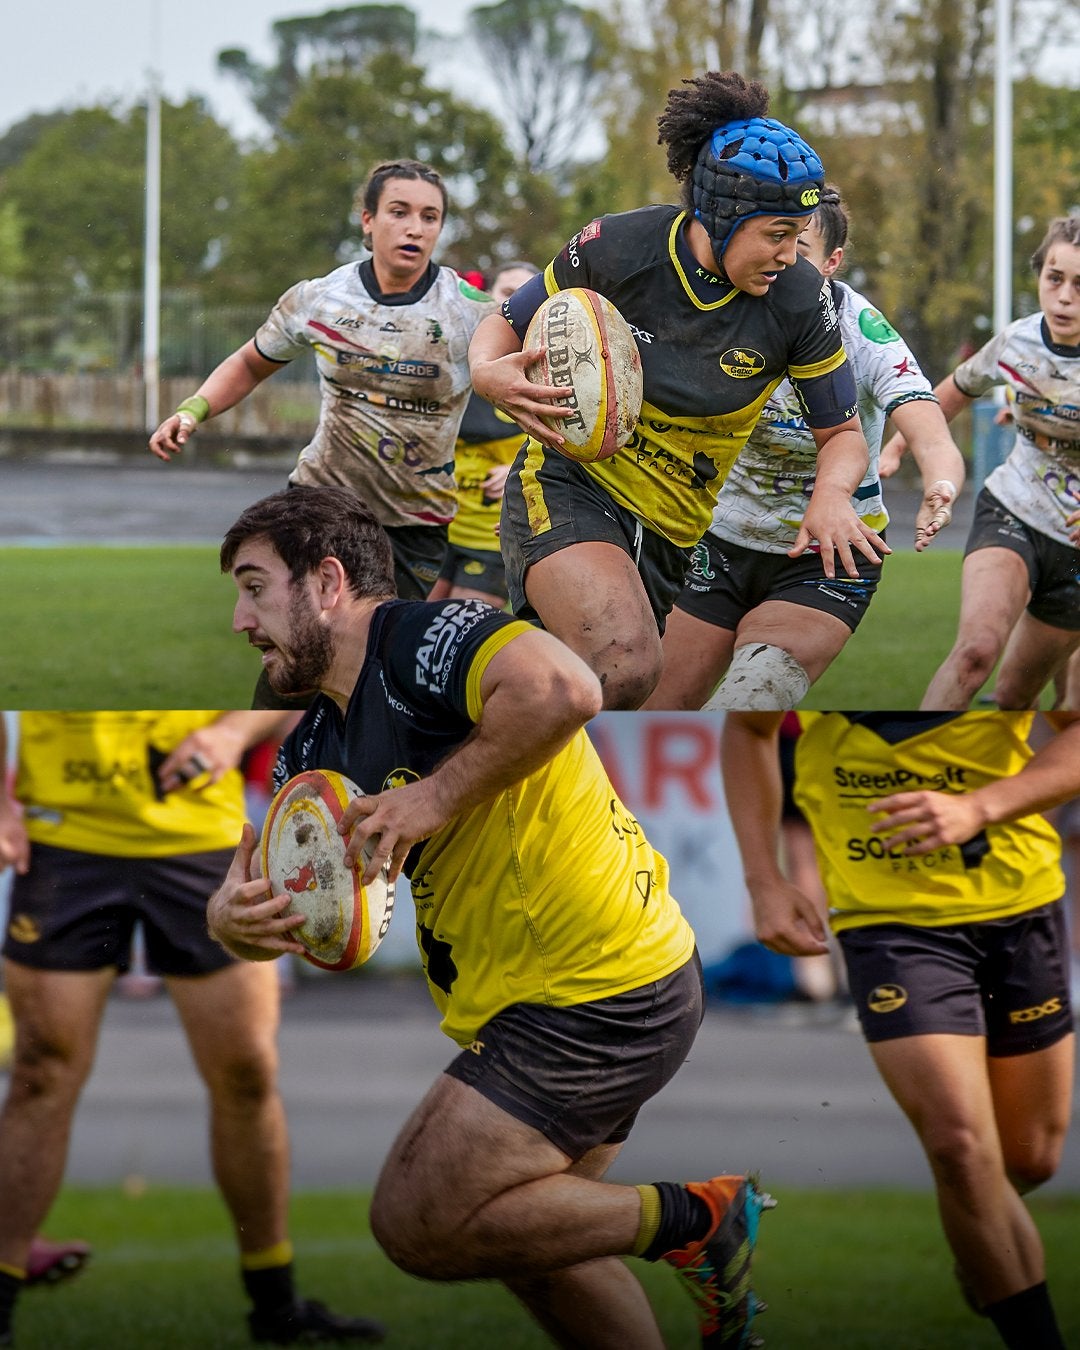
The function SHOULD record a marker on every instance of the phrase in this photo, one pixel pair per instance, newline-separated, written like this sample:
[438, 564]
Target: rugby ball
[589, 349]
[303, 855]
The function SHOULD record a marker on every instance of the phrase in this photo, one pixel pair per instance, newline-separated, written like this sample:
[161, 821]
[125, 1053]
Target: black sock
[1025, 1321]
[684, 1218]
[270, 1288]
[9, 1291]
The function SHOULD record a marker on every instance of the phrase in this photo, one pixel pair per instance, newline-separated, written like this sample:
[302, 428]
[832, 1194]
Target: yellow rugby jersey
[548, 893]
[86, 781]
[843, 761]
[487, 438]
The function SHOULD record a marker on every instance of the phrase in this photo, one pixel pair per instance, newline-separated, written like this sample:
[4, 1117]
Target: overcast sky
[72, 53]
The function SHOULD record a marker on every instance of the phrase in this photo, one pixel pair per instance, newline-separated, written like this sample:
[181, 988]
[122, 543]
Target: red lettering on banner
[679, 756]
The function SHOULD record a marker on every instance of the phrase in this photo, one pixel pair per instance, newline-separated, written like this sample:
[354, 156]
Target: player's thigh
[230, 1018]
[1034, 652]
[995, 587]
[942, 1084]
[458, 1133]
[1032, 1097]
[57, 1013]
[591, 595]
[696, 655]
[812, 636]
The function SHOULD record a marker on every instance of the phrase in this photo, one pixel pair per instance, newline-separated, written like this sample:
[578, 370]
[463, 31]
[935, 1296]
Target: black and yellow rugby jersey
[843, 761]
[711, 355]
[550, 892]
[87, 782]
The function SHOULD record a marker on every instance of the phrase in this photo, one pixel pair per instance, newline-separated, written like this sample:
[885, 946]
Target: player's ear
[332, 581]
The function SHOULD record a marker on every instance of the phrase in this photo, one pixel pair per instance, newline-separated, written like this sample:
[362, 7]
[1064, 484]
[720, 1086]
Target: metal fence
[67, 332]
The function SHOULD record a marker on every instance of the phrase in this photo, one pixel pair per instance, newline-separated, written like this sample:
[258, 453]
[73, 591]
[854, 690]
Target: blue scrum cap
[753, 167]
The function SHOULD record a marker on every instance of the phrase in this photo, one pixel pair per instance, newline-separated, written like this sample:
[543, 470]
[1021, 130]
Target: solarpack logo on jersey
[438, 651]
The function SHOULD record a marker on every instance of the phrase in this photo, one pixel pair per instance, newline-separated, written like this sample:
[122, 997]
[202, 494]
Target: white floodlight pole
[1003, 164]
[152, 254]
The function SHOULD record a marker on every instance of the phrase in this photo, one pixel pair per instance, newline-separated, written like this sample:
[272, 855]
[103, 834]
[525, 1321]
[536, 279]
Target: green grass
[848, 1270]
[120, 628]
[907, 633]
[89, 627]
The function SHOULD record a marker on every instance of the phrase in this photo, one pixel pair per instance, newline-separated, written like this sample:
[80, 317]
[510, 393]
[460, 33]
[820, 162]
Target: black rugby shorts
[580, 1075]
[1053, 568]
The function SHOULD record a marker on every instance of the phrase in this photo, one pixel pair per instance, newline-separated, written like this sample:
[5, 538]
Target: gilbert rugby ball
[303, 855]
[591, 350]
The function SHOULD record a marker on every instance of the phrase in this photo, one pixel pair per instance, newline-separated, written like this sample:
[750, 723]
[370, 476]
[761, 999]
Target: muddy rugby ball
[589, 349]
[304, 856]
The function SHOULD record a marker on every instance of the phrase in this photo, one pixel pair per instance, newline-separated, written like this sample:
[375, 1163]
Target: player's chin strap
[761, 678]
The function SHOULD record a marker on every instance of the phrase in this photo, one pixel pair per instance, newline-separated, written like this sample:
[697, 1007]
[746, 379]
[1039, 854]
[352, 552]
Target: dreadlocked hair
[706, 102]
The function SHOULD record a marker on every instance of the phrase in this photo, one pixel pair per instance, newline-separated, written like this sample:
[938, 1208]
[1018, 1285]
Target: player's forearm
[234, 379]
[923, 426]
[753, 791]
[250, 728]
[1050, 777]
[493, 339]
[842, 461]
[950, 398]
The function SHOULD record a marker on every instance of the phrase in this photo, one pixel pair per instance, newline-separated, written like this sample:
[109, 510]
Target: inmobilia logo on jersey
[742, 362]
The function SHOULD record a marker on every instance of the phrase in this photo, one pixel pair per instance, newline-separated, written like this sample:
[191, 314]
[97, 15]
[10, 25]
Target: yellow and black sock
[268, 1277]
[12, 1280]
[671, 1217]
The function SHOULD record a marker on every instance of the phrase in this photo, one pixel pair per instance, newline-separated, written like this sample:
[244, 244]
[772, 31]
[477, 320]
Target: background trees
[559, 125]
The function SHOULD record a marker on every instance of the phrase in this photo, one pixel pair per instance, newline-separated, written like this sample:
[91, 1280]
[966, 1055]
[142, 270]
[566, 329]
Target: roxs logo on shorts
[887, 998]
[1047, 1009]
[741, 362]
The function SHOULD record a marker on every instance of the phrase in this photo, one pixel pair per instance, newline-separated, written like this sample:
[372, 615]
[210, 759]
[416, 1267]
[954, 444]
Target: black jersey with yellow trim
[549, 892]
[711, 355]
[416, 698]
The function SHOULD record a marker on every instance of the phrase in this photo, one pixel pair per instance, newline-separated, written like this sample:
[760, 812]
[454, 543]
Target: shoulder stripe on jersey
[480, 662]
[549, 278]
[831, 363]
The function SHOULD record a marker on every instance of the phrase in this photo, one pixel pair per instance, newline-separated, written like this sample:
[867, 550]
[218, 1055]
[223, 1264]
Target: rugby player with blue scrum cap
[723, 309]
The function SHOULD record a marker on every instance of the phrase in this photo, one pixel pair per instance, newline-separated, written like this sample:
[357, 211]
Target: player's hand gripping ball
[592, 352]
[303, 854]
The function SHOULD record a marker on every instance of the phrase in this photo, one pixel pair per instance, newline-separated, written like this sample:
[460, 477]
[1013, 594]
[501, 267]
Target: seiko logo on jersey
[887, 998]
[902, 780]
[1047, 1009]
[742, 362]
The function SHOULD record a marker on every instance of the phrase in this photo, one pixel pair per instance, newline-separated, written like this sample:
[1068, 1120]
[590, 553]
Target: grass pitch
[851, 1270]
[149, 627]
